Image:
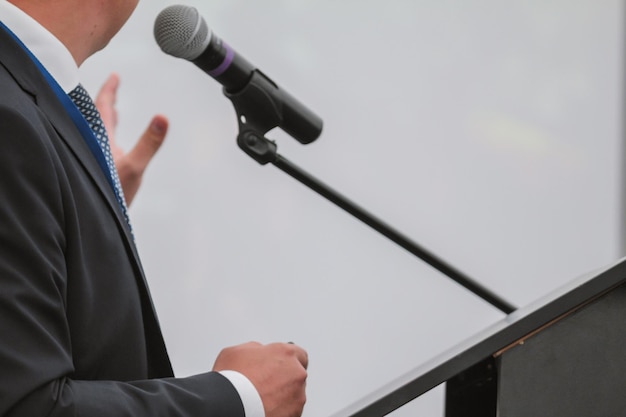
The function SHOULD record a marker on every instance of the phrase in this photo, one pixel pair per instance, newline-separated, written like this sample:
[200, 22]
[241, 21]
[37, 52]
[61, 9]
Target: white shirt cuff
[252, 404]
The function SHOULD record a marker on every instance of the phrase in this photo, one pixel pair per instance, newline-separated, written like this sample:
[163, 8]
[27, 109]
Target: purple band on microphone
[230, 55]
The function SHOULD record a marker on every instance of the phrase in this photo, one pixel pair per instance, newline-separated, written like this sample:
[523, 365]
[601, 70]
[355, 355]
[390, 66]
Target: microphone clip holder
[258, 111]
[262, 105]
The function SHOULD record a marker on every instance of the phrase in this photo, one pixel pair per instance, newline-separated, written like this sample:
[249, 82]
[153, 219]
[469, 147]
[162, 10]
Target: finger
[149, 143]
[301, 354]
[132, 165]
[108, 92]
[105, 102]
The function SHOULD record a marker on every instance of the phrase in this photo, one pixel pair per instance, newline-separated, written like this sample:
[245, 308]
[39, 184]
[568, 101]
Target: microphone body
[226, 66]
[180, 31]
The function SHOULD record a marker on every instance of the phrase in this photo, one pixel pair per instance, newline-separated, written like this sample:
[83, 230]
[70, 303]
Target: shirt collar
[49, 50]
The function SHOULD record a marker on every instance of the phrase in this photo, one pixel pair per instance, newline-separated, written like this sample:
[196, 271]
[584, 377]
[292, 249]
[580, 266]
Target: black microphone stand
[258, 112]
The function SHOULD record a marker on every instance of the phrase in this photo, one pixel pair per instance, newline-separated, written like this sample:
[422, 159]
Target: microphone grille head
[180, 31]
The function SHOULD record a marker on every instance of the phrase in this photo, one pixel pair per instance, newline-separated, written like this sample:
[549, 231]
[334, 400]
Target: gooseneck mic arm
[394, 235]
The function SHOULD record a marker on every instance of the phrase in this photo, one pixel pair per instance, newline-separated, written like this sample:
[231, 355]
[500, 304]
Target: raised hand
[130, 165]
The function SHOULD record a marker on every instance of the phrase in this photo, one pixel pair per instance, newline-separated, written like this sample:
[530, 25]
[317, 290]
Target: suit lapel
[18, 63]
[30, 79]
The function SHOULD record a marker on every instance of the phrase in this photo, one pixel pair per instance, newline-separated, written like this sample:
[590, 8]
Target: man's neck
[66, 23]
[46, 47]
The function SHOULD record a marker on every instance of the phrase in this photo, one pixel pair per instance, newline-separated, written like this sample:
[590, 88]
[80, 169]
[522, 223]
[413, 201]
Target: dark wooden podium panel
[575, 367]
[564, 355]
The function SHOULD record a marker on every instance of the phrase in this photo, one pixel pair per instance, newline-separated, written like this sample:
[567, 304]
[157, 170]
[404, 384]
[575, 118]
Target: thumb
[132, 166]
[148, 144]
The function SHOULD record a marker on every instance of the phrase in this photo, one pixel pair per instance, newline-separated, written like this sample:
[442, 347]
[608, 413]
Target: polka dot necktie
[85, 104]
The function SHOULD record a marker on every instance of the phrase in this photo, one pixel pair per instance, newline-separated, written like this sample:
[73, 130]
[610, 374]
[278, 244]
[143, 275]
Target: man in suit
[79, 333]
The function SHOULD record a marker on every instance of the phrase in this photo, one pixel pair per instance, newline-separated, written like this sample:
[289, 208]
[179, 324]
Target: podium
[562, 356]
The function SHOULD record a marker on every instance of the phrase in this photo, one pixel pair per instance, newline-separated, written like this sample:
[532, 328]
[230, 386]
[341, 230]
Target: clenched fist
[278, 371]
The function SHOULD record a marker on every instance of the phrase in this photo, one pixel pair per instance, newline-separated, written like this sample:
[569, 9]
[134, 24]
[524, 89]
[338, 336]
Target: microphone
[180, 31]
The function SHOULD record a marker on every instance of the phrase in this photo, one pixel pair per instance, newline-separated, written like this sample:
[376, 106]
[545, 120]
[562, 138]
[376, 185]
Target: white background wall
[487, 130]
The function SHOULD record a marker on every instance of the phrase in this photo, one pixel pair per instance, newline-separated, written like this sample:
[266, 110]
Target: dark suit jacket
[79, 336]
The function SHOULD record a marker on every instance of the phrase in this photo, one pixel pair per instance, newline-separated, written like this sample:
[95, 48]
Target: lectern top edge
[488, 342]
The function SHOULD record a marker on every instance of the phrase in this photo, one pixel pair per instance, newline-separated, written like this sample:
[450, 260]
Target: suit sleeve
[36, 362]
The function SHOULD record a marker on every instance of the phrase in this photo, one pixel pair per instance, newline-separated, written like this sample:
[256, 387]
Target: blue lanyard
[71, 109]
